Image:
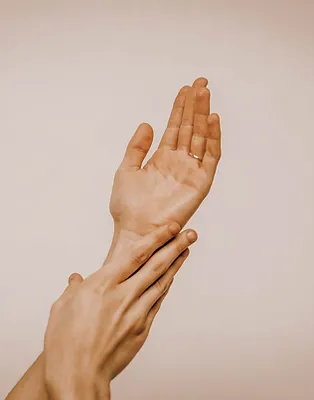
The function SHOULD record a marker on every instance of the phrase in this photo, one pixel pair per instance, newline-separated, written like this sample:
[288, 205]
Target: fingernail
[192, 236]
[174, 228]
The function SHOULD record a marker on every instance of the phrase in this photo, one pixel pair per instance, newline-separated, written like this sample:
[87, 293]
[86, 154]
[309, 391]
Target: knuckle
[173, 229]
[180, 245]
[139, 147]
[139, 255]
[138, 325]
[160, 286]
[128, 298]
[159, 267]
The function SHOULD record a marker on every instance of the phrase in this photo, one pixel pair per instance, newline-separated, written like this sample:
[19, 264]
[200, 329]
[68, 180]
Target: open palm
[172, 185]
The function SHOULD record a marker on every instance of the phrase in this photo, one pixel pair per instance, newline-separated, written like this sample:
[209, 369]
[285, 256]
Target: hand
[172, 185]
[97, 326]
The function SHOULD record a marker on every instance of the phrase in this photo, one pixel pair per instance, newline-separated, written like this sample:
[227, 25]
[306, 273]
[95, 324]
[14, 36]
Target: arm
[170, 187]
[31, 385]
[97, 326]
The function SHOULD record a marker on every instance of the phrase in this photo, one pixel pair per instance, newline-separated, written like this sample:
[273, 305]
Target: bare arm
[31, 385]
[97, 326]
[180, 181]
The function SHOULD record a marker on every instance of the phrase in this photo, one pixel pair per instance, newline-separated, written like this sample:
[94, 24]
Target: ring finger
[153, 294]
[160, 262]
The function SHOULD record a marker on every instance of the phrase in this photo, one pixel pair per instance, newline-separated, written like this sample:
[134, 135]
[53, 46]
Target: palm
[169, 188]
[172, 184]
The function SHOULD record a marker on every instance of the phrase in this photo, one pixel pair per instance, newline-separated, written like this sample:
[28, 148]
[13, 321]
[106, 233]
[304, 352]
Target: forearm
[80, 389]
[31, 385]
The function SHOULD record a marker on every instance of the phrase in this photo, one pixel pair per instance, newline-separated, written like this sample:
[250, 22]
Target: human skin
[97, 326]
[182, 184]
[172, 184]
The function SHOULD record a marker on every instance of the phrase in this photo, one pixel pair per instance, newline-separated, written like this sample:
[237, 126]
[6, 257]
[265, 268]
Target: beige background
[76, 80]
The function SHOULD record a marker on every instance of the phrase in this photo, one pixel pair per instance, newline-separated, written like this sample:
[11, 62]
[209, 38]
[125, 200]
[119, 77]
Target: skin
[97, 326]
[172, 184]
[169, 188]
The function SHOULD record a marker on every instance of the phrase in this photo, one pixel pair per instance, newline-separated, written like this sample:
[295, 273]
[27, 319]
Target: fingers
[170, 137]
[160, 287]
[186, 128]
[154, 310]
[73, 280]
[138, 147]
[160, 262]
[181, 119]
[144, 248]
[200, 129]
[200, 82]
[213, 146]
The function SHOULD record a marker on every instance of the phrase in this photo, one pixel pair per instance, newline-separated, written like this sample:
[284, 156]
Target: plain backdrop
[76, 79]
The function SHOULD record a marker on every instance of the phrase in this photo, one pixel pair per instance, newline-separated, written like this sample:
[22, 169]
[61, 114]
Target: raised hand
[174, 182]
[98, 325]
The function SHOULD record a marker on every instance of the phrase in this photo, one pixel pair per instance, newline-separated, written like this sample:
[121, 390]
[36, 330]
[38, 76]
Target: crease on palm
[172, 184]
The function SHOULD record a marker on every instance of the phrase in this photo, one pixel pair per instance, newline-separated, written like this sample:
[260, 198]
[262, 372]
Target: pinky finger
[154, 310]
[157, 290]
[213, 145]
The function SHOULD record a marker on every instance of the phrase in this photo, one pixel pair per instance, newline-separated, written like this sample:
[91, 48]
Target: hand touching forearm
[169, 188]
[97, 326]
[176, 179]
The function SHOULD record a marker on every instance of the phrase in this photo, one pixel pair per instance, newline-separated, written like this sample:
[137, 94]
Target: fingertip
[185, 89]
[145, 125]
[144, 134]
[213, 118]
[75, 278]
[200, 82]
[192, 236]
[174, 228]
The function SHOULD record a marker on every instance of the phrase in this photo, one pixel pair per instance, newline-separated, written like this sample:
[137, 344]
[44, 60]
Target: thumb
[74, 280]
[138, 147]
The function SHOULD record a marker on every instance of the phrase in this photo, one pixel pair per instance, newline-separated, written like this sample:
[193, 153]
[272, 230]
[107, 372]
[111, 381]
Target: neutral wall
[76, 80]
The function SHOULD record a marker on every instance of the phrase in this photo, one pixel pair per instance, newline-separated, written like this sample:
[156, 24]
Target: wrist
[122, 239]
[80, 389]
[68, 382]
